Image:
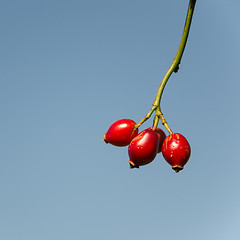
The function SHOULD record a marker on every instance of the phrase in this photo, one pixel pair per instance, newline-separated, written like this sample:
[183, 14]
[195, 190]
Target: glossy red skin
[121, 133]
[161, 136]
[176, 151]
[143, 148]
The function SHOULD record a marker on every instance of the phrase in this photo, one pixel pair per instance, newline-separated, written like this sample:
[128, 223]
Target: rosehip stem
[173, 68]
[158, 115]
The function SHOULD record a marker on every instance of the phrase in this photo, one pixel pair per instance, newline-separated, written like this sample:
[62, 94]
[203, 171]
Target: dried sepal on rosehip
[176, 151]
[121, 133]
[143, 148]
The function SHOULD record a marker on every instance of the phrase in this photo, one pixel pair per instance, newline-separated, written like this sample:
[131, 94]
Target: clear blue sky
[68, 69]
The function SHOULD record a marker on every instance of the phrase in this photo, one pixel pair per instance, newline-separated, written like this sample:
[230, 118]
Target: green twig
[173, 68]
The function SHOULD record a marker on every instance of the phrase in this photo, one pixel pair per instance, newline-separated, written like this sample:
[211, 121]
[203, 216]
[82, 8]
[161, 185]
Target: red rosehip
[161, 135]
[143, 148]
[176, 151]
[121, 133]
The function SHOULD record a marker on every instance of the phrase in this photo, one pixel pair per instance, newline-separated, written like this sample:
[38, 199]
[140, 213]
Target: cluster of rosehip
[144, 146]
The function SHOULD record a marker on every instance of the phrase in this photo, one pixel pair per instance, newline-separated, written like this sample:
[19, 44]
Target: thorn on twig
[176, 69]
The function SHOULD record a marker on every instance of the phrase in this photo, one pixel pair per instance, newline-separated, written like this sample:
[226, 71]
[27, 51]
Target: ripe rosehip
[121, 133]
[161, 136]
[143, 148]
[176, 151]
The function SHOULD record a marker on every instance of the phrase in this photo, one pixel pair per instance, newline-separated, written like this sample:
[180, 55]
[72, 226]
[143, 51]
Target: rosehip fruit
[161, 135]
[121, 133]
[143, 148]
[176, 151]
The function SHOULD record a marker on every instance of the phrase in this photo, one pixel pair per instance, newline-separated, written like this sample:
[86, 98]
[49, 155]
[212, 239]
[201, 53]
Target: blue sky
[71, 68]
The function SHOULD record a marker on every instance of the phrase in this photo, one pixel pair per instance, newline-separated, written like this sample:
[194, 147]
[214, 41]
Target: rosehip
[161, 135]
[121, 133]
[143, 148]
[176, 151]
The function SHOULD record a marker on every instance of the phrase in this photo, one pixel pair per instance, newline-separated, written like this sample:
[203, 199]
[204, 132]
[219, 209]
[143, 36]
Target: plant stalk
[173, 68]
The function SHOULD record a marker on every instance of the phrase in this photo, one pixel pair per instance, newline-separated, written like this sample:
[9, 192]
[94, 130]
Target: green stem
[173, 68]
[145, 118]
[158, 115]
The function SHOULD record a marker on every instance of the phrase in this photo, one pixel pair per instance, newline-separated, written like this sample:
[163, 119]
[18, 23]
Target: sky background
[68, 69]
